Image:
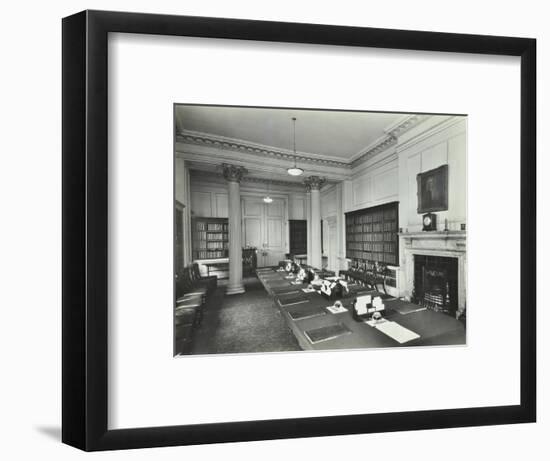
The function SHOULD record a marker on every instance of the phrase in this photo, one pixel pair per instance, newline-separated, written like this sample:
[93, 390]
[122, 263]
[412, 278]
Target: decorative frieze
[390, 138]
[252, 148]
[386, 141]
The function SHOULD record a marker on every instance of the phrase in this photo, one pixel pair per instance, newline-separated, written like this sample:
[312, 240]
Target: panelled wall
[265, 226]
[374, 182]
[390, 176]
[445, 144]
[333, 227]
[209, 199]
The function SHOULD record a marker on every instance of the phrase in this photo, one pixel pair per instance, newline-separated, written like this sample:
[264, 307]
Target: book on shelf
[210, 254]
[371, 234]
[210, 238]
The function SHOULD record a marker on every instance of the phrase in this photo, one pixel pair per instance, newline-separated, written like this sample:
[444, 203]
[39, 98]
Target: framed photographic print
[221, 240]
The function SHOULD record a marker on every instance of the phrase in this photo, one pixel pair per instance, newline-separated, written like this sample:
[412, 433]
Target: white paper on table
[396, 331]
[365, 299]
[336, 309]
[361, 304]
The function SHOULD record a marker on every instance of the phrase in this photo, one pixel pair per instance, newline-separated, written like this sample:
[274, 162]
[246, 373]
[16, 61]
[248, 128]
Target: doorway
[264, 227]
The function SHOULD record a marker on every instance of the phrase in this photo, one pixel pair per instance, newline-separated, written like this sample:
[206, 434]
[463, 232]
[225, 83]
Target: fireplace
[436, 283]
[433, 269]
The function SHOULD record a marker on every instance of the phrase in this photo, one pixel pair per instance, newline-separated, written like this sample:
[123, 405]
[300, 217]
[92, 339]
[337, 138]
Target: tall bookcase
[372, 235]
[298, 236]
[210, 238]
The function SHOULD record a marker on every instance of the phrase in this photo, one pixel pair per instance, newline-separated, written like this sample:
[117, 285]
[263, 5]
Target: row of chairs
[192, 292]
[373, 279]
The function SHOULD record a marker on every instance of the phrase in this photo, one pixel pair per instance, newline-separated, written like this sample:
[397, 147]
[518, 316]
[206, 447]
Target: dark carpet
[243, 323]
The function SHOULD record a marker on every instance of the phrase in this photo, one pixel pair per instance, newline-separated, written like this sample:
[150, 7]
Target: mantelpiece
[435, 243]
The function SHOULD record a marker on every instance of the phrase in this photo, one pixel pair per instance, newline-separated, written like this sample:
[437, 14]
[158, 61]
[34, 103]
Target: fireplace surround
[437, 261]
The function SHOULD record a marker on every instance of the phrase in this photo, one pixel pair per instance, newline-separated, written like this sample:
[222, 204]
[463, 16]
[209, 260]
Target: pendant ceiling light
[294, 170]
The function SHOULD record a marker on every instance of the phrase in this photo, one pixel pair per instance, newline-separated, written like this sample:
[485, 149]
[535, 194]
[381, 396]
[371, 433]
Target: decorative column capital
[314, 183]
[233, 173]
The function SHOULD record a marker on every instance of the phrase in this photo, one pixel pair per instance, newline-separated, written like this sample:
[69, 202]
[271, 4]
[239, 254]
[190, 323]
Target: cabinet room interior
[300, 230]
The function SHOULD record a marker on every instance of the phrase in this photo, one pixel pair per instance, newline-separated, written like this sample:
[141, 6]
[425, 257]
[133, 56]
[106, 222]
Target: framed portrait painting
[432, 190]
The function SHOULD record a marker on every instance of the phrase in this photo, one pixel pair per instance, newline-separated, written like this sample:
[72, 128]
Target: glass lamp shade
[268, 199]
[295, 171]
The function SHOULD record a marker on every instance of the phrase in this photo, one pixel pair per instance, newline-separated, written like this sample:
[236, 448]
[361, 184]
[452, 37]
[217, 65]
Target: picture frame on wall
[119, 396]
[433, 194]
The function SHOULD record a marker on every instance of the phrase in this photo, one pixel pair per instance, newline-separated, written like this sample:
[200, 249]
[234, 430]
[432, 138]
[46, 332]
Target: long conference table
[317, 328]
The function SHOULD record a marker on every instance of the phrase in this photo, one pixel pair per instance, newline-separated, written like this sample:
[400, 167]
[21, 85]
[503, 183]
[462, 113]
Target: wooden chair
[186, 318]
[210, 281]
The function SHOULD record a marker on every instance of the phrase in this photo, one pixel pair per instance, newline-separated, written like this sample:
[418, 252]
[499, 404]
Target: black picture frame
[85, 218]
[433, 190]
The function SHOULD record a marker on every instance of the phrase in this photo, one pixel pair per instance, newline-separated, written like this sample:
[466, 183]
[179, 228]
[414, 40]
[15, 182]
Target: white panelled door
[264, 227]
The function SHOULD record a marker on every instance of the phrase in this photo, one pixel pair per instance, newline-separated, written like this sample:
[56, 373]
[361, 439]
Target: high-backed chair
[189, 290]
[210, 281]
[189, 309]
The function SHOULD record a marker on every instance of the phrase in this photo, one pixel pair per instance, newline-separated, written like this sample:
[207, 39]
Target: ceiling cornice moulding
[384, 142]
[239, 145]
[389, 139]
[432, 131]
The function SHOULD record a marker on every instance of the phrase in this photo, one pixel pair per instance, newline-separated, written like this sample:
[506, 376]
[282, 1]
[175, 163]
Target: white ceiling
[336, 134]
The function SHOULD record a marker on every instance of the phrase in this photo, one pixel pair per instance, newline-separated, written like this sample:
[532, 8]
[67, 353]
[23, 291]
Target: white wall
[444, 146]
[31, 339]
[374, 182]
[297, 206]
[209, 198]
[333, 226]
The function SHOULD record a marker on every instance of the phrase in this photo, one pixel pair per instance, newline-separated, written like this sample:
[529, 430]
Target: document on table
[336, 309]
[394, 331]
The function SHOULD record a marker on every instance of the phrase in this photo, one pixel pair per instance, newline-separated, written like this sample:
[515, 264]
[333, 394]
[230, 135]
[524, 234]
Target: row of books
[374, 237]
[217, 245]
[201, 235]
[378, 216]
[377, 247]
[218, 227]
[211, 254]
[203, 226]
[204, 235]
[375, 227]
[217, 236]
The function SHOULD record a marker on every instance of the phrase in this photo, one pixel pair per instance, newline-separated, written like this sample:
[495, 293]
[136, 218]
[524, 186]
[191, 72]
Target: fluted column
[233, 174]
[313, 185]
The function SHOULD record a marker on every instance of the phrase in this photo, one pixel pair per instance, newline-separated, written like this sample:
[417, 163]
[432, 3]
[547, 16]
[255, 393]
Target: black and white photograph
[300, 229]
